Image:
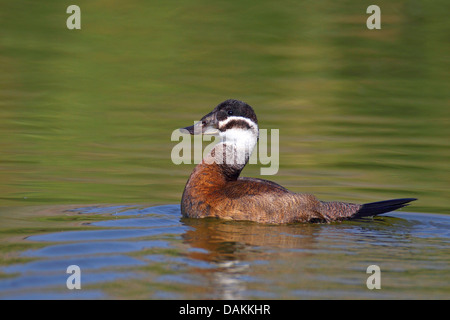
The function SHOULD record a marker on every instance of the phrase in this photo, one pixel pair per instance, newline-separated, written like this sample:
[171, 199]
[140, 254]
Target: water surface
[137, 252]
[86, 118]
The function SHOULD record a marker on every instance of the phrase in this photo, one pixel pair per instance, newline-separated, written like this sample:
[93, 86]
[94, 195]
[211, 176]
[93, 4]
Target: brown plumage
[215, 189]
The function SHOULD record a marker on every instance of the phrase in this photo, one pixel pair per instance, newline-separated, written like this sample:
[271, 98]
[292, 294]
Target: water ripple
[154, 251]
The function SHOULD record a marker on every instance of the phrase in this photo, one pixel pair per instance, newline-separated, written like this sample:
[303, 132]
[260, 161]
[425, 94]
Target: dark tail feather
[375, 208]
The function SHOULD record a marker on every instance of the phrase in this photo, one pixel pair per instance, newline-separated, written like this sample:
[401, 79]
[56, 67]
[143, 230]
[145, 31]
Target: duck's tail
[376, 208]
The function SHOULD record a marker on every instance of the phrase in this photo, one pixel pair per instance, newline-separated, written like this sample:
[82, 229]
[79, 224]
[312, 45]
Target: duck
[215, 188]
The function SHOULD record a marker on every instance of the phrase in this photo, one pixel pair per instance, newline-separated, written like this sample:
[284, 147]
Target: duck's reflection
[235, 247]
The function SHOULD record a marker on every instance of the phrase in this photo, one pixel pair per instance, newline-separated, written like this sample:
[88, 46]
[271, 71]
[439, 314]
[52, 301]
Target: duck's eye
[230, 112]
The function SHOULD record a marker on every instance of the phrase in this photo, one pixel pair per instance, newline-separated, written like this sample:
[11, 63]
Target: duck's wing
[263, 201]
[262, 183]
[268, 202]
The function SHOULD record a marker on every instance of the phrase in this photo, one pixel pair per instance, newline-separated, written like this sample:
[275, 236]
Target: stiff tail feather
[376, 208]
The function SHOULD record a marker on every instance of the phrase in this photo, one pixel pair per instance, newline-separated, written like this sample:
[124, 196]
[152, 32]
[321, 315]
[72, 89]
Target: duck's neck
[233, 152]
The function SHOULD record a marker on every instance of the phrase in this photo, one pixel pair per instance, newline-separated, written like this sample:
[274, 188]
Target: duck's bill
[199, 128]
[207, 125]
[190, 130]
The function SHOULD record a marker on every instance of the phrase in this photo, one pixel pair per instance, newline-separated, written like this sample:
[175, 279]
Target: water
[151, 253]
[86, 118]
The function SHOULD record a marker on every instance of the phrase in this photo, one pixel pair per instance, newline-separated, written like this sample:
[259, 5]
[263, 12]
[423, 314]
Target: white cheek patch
[242, 142]
[239, 135]
[238, 131]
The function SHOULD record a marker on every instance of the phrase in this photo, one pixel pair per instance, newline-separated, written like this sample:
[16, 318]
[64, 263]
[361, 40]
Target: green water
[86, 115]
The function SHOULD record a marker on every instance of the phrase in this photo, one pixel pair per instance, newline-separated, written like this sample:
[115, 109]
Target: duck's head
[229, 120]
[235, 123]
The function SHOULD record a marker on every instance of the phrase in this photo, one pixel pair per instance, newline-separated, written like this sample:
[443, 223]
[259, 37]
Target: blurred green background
[86, 115]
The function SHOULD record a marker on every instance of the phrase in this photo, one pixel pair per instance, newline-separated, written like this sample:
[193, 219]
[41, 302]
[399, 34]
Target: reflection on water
[150, 252]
